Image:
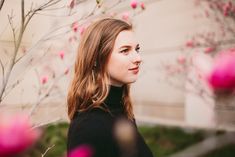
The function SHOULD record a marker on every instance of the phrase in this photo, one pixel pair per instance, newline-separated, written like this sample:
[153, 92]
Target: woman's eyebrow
[129, 46]
[125, 46]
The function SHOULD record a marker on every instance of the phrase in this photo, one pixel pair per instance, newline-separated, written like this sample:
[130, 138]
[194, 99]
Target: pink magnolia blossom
[181, 59]
[227, 8]
[125, 16]
[61, 54]
[72, 4]
[81, 30]
[75, 26]
[142, 5]
[44, 79]
[16, 135]
[209, 49]
[81, 151]
[66, 71]
[189, 43]
[134, 4]
[222, 75]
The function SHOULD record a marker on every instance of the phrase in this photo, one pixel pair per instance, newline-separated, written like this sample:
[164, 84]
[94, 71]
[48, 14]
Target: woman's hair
[90, 83]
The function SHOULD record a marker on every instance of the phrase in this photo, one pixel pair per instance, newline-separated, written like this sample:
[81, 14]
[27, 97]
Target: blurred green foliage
[162, 140]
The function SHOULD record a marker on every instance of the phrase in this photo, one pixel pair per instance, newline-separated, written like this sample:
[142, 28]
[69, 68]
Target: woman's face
[123, 64]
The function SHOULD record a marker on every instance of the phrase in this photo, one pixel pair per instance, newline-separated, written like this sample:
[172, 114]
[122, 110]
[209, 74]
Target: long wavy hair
[90, 83]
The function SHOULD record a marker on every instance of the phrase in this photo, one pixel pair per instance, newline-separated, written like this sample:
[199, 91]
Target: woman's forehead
[126, 38]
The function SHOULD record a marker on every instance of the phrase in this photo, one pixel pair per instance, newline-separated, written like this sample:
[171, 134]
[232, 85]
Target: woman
[99, 104]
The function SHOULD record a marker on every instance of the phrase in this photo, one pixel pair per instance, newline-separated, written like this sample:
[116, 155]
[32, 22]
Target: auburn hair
[90, 83]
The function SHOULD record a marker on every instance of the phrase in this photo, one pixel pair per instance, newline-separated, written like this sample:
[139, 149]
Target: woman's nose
[137, 58]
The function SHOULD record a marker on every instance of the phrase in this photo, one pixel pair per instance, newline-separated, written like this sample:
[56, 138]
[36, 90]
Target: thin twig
[46, 95]
[24, 23]
[12, 28]
[54, 15]
[2, 66]
[47, 150]
[11, 88]
[47, 123]
[1, 4]
[22, 13]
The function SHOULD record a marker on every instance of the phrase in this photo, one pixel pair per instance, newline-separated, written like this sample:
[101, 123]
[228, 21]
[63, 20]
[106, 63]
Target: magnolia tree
[46, 61]
[207, 61]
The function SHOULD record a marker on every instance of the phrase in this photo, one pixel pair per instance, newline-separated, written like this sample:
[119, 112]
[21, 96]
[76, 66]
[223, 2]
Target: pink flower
[134, 4]
[81, 30]
[209, 49]
[72, 4]
[81, 151]
[142, 5]
[222, 76]
[227, 8]
[75, 26]
[16, 135]
[44, 79]
[125, 16]
[181, 59]
[190, 43]
[66, 71]
[61, 54]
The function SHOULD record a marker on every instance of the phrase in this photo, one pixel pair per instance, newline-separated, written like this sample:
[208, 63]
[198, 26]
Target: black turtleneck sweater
[96, 128]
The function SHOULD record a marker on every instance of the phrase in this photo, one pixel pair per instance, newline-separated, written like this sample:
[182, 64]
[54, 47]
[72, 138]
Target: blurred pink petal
[81, 30]
[125, 16]
[189, 43]
[66, 71]
[44, 79]
[81, 151]
[134, 4]
[72, 4]
[181, 59]
[142, 5]
[209, 49]
[222, 76]
[75, 26]
[61, 54]
[16, 135]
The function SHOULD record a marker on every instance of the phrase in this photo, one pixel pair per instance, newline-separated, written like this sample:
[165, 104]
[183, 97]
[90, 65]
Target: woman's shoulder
[93, 128]
[92, 119]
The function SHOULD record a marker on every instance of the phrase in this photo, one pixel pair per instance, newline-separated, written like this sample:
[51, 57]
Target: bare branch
[46, 123]
[2, 66]
[48, 4]
[47, 150]
[31, 13]
[11, 88]
[13, 29]
[46, 95]
[53, 15]
[24, 23]
[1, 4]
[22, 13]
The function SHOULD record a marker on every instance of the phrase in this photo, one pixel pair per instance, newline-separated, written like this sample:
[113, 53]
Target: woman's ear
[95, 65]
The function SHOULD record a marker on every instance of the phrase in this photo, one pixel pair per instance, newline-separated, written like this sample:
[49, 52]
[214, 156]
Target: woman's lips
[135, 70]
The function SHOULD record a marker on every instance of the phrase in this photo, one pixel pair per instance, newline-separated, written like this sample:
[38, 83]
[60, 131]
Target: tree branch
[24, 23]
[47, 150]
[46, 123]
[2, 66]
[1, 4]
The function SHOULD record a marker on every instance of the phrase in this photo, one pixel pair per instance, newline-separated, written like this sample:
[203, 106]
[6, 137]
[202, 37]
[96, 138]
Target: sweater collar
[114, 96]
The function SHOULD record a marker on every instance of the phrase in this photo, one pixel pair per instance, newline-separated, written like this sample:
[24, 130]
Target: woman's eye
[125, 51]
[137, 49]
